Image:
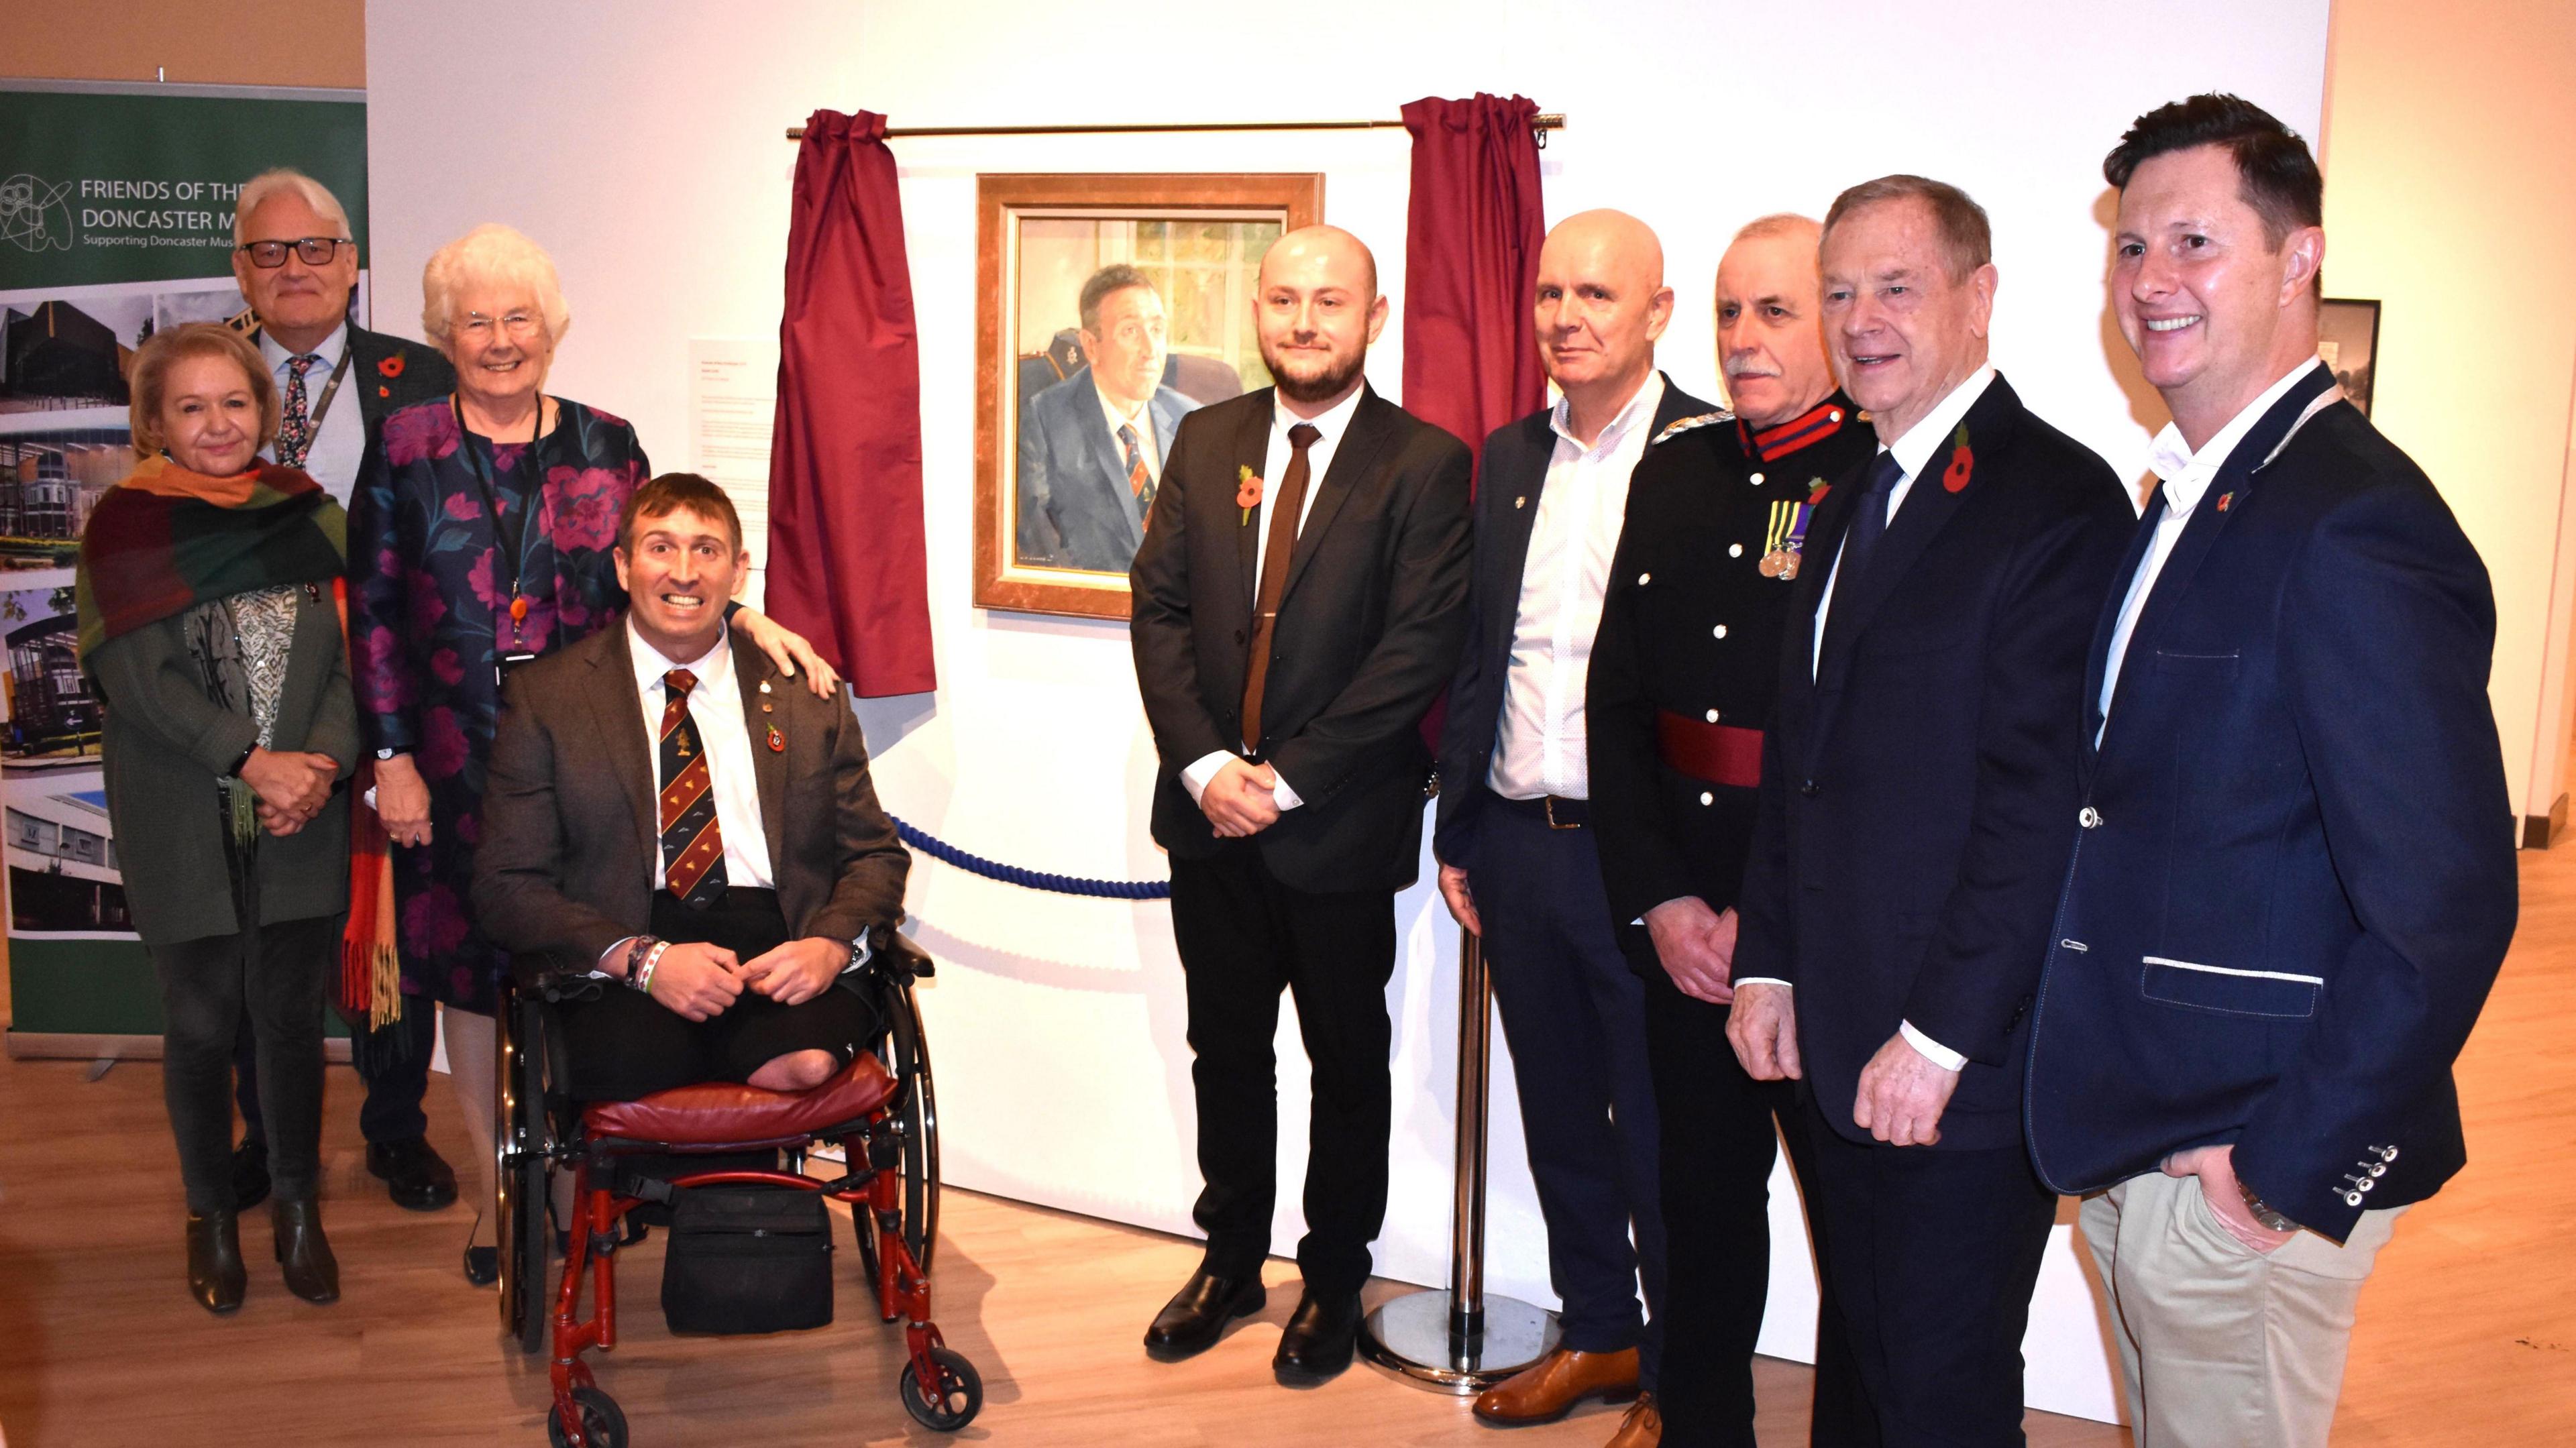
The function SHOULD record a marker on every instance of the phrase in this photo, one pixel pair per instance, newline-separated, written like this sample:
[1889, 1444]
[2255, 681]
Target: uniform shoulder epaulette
[1680, 425]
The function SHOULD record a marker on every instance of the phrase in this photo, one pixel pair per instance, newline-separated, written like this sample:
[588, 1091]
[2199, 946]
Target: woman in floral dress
[481, 536]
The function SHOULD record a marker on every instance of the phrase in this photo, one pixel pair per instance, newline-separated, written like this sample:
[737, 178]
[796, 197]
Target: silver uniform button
[1707, 798]
[1734, 550]
[1643, 579]
[1712, 716]
[1756, 480]
[2090, 818]
[1718, 632]
[1523, 498]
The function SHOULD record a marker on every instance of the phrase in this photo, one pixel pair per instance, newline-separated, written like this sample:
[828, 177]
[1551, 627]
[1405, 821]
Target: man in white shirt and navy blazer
[2293, 876]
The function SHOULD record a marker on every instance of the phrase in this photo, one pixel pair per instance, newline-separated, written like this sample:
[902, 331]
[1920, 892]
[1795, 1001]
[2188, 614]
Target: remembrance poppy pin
[777, 741]
[391, 366]
[1962, 462]
[1247, 495]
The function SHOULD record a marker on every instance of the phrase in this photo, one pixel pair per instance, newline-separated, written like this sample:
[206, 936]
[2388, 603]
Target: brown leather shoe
[1548, 1389]
[1643, 1427]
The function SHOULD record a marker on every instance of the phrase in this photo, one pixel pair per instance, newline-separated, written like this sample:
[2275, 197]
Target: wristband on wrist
[635, 954]
[652, 958]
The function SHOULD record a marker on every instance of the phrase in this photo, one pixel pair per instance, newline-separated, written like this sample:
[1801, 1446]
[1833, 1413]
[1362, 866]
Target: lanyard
[331, 389]
[511, 537]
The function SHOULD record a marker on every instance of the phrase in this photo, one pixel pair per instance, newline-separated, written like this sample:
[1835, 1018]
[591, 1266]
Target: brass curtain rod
[1543, 122]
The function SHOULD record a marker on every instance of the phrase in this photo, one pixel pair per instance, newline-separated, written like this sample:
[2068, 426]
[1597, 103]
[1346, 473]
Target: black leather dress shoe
[312, 1273]
[215, 1274]
[250, 1174]
[414, 1174]
[1318, 1341]
[1196, 1316]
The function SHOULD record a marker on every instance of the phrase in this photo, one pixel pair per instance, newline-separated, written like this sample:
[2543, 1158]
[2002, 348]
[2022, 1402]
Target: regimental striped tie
[295, 423]
[692, 843]
[1140, 480]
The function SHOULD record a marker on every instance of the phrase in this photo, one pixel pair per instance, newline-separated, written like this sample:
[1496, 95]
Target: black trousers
[1574, 1013]
[1718, 1144]
[1934, 1253]
[396, 1077]
[623, 1044]
[1243, 938]
[270, 979]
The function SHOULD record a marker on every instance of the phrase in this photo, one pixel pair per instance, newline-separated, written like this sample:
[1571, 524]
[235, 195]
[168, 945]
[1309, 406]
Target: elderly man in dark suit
[1093, 447]
[1299, 602]
[2293, 879]
[668, 811]
[1915, 791]
[296, 262]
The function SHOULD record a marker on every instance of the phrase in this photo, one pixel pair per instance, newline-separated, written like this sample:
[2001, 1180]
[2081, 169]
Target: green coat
[164, 745]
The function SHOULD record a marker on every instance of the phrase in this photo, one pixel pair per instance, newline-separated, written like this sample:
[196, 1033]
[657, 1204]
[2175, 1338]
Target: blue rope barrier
[939, 849]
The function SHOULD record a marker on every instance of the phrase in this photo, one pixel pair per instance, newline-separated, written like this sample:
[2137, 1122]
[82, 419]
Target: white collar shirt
[340, 443]
[1539, 742]
[2183, 477]
[1143, 422]
[1913, 452]
[724, 732]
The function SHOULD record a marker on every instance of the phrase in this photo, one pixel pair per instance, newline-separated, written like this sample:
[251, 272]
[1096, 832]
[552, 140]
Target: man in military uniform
[1683, 672]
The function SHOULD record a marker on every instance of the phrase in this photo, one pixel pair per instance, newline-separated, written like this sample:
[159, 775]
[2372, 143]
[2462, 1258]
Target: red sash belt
[1717, 753]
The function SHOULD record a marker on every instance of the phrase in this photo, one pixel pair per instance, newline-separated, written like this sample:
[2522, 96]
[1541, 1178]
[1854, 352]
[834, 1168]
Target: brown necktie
[1274, 577]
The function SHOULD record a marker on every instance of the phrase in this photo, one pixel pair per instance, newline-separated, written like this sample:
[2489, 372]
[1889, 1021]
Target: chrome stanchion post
[1463, 1341]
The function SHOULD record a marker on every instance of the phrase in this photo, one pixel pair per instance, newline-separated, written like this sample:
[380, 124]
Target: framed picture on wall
[2348, 343]
[1108, 308]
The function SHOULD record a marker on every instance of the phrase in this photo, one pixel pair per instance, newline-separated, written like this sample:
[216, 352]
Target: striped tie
[1140, 481]
[692, 843]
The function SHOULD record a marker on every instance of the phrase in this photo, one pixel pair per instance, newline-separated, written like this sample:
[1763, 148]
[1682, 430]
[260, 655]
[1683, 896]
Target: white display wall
[643, 144]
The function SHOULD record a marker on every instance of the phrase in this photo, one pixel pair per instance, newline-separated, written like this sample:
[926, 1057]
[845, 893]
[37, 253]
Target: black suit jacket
[1918, 789]
[2298, 883]
[388, 373]
[1512, 476]
[1691, 626]
[1368, 631]
[571, 828]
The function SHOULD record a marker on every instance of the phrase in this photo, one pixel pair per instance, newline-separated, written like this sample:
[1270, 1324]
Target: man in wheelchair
[668, 814]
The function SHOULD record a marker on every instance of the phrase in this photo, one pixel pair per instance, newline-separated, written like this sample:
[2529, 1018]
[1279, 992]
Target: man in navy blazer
[1911, 833]
[1092, 446]
[2293, 874]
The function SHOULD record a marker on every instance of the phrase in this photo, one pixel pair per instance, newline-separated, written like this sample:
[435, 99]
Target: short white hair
[490, 254]
[265, 186]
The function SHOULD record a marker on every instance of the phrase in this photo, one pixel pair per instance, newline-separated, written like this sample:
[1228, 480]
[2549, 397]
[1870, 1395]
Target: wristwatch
[2262, 1211]
[635, 953]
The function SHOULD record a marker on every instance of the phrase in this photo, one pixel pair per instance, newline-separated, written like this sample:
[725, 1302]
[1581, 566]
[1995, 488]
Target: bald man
[1684, 671]
[1300, 598]
[1518, 862]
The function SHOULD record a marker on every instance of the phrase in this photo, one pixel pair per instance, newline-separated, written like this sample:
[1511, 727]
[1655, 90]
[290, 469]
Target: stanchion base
[1409, 1336]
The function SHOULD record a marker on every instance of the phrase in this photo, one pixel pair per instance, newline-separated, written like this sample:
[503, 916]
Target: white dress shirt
[715, 707]
[1914, 452]
[1539, 742]
[1143, 422]
[2183, 477]
[341, 441]
[1330, 425]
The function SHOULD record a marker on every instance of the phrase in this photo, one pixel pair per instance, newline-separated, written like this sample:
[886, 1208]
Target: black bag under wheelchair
[743, 1260]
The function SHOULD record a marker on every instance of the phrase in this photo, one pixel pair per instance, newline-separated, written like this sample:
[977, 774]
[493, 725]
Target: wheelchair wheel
[961, 1393]
[523, 1141]
[603, 1424]
[907, 1056]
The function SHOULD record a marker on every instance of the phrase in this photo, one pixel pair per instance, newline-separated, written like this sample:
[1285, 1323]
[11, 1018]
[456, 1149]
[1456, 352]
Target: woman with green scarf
[211, 621]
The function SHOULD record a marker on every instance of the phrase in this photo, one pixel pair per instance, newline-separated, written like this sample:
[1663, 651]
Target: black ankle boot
[215, 1274]
[312, 1273]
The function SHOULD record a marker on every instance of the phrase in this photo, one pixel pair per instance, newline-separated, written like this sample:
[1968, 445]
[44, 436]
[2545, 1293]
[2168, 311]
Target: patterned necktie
[1869, 524]
[295, 423]
[1284, 512]
[1139, 481]
[692, 843]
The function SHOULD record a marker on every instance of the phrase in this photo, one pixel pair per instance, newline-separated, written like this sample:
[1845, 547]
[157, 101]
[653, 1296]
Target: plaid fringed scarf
[167, 539]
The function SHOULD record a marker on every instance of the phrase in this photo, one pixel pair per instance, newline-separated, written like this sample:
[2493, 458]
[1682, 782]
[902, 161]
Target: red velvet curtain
[846, 559]
[1471, 265]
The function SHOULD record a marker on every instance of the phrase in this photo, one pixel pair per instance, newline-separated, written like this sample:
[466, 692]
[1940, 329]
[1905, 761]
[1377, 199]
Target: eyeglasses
[315, 250]
[477, 327]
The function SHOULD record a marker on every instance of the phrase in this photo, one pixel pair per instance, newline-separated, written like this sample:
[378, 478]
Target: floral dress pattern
[428, 615]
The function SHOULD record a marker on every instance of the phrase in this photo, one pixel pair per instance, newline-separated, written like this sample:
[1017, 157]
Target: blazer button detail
[1238, 635]
[2089, 818]
[1523, 498]
[1644, 578]
[1810, 789]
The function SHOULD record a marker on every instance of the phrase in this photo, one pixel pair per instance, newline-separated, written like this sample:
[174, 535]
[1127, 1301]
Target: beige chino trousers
[2222, 1347]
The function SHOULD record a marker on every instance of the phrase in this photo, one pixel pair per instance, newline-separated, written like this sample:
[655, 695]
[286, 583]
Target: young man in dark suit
[1915, 791]
[668, 811]
[2293, 879]
[1517, 862]
[1683, 673]
[1299, 601]
[297, 264]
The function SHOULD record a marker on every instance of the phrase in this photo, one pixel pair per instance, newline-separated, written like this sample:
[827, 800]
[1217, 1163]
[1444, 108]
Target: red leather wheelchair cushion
[722, 1111]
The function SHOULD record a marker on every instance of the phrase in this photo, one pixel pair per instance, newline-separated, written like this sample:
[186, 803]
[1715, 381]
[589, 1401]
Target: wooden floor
[2467, 1335]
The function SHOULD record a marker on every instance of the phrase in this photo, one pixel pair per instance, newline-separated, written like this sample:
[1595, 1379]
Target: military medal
[1784, 542]
[1780, 563]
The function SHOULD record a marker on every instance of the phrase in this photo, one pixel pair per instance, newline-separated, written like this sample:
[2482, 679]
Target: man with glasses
[297, 265]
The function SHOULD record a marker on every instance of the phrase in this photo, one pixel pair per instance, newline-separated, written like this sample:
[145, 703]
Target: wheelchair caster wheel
[602, 1424]
[961, 1393]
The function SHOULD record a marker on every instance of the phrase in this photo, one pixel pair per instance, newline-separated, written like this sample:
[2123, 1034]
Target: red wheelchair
[881, 1112]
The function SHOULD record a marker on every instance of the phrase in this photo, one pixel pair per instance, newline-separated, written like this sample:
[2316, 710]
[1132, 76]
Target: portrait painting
[1111, 307]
